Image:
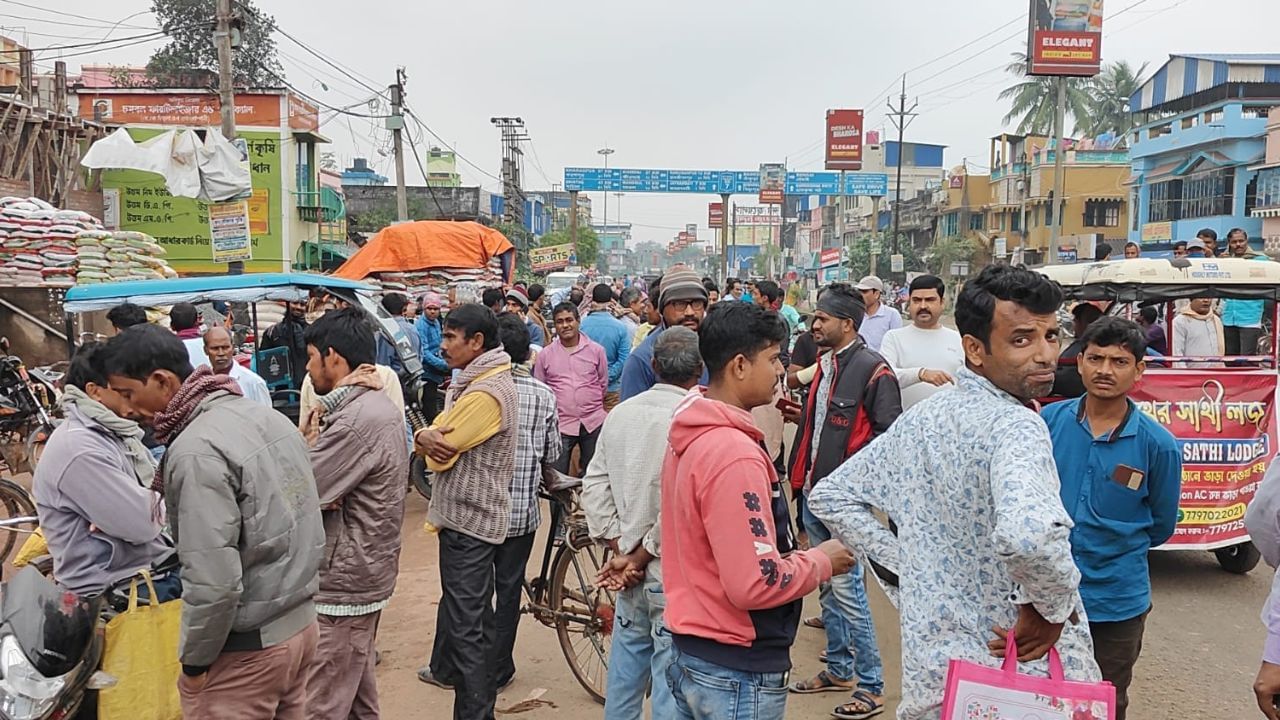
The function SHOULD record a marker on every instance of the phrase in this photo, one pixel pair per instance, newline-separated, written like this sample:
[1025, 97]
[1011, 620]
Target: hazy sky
[700, 84]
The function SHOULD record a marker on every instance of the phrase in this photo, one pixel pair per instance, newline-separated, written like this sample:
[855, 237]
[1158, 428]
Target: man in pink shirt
[577, 371]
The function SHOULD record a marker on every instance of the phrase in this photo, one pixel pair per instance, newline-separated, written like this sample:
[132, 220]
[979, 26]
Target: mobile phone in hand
[786, 404]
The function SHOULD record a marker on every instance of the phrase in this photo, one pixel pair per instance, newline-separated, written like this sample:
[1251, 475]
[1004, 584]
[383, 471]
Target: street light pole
[605, 151]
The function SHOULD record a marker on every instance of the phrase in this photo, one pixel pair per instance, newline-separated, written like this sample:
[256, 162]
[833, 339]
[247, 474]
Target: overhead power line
[44, 8]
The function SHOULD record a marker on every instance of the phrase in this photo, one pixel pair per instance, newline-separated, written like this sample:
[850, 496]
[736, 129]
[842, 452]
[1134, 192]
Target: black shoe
[424, 674]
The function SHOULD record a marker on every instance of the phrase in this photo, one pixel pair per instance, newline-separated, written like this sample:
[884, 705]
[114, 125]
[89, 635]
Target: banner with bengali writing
[1225, 424]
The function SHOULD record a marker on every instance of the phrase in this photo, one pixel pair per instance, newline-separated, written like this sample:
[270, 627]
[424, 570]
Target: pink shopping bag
[978, 692]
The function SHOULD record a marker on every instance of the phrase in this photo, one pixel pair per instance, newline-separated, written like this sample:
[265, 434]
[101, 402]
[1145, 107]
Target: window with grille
[1208, 194]
[1102, 213]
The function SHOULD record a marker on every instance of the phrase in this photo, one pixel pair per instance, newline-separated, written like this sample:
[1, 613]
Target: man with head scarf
[853, 399]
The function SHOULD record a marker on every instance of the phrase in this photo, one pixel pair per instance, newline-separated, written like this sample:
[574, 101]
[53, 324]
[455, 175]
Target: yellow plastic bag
[32, 548]
[142, 654]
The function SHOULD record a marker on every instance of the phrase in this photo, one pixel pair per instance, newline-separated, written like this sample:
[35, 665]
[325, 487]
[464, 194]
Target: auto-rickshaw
[1221, 409]
[250, 289]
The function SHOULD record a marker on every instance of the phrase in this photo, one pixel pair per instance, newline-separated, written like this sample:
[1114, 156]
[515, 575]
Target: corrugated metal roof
[1191, 73]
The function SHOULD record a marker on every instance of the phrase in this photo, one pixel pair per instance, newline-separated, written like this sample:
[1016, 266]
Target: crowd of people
[921, 461]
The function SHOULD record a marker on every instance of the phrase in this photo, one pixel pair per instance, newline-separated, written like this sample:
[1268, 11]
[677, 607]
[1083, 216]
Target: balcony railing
[320, 206]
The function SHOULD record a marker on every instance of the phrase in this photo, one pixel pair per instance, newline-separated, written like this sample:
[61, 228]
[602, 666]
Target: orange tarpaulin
[427, 244]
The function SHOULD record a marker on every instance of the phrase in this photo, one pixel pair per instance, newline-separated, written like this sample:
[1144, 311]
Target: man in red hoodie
[735, 582]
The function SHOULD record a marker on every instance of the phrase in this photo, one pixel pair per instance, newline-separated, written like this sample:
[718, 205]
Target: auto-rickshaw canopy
[1153, 280]
[227, 288]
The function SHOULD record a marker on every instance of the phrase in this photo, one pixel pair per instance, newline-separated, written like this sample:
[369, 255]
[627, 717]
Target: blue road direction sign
[715, 182]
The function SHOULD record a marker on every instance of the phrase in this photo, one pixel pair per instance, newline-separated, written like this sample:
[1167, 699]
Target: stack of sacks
[24, 224]
[120, 256]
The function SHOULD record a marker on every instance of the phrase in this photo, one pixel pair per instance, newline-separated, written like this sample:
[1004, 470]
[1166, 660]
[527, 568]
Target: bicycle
[19, 517]
[564, 594]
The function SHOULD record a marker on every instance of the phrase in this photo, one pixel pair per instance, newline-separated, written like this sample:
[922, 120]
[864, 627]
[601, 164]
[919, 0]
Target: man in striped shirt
[537, 447]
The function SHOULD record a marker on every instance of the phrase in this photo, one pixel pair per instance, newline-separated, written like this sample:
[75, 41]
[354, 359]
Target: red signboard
[715, 215]
[829, 257]
[1065, 38]
[1225, 424]
[844, 139]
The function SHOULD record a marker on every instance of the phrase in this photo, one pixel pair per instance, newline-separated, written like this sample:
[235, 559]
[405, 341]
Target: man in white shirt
[880, 318]
[925, 354]
[185, 322]
[222, 358]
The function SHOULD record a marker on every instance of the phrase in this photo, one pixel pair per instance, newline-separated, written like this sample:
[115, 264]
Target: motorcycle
[50, 647]
[27, 403]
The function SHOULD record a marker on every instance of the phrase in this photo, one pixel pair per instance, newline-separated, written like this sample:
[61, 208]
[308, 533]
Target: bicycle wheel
[583, 614]
[14, 503]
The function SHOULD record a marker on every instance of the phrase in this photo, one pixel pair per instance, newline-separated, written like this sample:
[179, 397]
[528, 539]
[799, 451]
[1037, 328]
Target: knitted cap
[518, 295]
[683, 284]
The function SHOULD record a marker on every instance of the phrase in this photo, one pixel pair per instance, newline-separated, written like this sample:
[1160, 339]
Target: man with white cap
[880, 318]
[518, 303]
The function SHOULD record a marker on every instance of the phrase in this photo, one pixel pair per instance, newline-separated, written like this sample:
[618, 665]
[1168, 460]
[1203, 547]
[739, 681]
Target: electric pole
[1059, 172]
[222, 37]
[901, 117]
[513, 133]
[395, 123]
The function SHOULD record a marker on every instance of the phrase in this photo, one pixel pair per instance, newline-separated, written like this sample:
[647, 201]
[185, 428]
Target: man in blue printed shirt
[1242, 319]
[1121, 475]
[610, 333]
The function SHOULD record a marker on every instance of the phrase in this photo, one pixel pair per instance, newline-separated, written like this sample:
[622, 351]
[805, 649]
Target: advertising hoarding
[229, 232]
[773, 182]
[1065, 38]
[552, 257]
[844, 140]
[757, 215]
[715, 215]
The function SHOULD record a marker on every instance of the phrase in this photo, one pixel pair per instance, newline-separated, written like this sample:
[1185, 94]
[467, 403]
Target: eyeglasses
[685, 305]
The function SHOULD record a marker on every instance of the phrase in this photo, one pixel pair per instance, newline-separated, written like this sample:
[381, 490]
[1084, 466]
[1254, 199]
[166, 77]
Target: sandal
[822, 656]
[815, 622]
[820, 683]
[864, 706]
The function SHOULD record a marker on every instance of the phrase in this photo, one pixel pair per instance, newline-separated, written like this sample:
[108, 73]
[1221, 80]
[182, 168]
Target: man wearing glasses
[682, 300]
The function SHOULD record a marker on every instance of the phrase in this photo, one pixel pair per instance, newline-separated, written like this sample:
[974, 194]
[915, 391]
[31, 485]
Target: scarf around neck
[126, 431]
[171, 421]
[189, 334]
[364, 376]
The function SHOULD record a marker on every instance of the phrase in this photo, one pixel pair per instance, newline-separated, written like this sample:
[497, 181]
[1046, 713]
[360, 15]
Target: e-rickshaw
[251, 289]
[1221, 409]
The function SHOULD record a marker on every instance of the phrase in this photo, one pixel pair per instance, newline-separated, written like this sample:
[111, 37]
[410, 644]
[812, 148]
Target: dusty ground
[1203, 643]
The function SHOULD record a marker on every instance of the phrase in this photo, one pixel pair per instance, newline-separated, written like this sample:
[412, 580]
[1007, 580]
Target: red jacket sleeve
[736, 509]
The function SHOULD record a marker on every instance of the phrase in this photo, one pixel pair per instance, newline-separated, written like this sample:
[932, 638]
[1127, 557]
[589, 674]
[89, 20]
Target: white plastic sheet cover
[211, 170]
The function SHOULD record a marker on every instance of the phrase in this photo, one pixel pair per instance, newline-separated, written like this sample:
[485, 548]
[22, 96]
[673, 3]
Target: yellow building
[1020, 203]
[10, 68]
[964, 211]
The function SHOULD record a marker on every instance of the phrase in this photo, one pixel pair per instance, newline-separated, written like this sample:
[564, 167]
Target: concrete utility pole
[226, 88]
[513, 197]
[396, 124]
[901, 117]
[605, 152]
[724, 238]
[573, 218]
[1059, 172]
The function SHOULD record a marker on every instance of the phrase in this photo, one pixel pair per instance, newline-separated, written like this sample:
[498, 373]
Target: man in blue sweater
[1121, 478]
[434, 368]
[608, 331]
[682, 300]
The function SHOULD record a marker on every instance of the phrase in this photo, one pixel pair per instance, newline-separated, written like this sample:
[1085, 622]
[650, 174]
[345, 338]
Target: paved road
[1203, 642]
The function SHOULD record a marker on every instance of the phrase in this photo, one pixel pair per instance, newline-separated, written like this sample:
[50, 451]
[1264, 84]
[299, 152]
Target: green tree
[950, 250]
[1108, 102]
[1033, 99]
[189, 24]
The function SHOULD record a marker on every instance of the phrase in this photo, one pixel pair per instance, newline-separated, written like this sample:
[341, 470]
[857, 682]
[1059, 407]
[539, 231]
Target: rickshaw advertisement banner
[1225, 425]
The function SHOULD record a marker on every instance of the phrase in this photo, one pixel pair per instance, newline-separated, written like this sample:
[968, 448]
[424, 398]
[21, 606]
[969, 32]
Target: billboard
[757, 215]
[692, 229]
[844, 140]
[773, 181]
[1065, 38]
[229, 232]
[552, 257]
[715, 215]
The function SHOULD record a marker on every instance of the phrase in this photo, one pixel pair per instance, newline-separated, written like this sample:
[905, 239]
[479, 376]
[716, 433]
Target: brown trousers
[268, 684]
[1116, 646]
[342, 685]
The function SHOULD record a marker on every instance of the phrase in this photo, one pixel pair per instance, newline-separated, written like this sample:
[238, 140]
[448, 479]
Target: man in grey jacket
[245, 516]
[360, 457]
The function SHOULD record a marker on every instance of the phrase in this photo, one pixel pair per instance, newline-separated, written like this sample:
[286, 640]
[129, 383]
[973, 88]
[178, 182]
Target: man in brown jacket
[360, 457]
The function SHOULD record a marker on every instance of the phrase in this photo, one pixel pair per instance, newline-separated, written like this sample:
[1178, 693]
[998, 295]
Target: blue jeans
[641, 652]
[851, 634]
[706, 691]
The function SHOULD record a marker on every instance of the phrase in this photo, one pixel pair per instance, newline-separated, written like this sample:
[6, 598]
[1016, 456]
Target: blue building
[1201, 131]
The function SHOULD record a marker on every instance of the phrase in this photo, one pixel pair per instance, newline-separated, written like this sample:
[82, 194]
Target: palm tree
[1034, 99]
[1109, 95]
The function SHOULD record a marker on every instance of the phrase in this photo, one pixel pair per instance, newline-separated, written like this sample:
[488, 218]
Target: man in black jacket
[288, 333]
[853, 398]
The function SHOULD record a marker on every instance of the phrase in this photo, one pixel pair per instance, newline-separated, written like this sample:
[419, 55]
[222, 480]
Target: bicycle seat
[555, 481]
